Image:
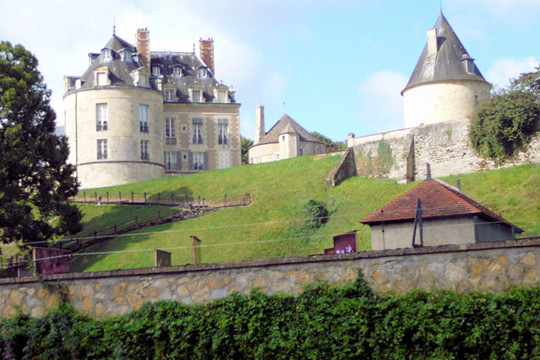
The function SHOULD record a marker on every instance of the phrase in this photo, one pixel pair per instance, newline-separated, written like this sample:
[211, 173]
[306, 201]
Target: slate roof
[439, 200]
[447, 64]
[286, 125]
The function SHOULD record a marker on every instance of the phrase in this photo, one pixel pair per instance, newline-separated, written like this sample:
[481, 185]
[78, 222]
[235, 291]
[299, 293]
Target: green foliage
[503, 126]
[35, 181]
[321, 137]
[245, 144]
[377, 165]
[323, 322]
[316, 213]
[528, 82]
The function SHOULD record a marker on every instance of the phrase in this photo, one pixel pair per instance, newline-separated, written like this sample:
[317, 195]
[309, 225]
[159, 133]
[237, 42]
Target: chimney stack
[432, 45]
[142, 41]
[206, 48]
[259, 132]
[428, 172]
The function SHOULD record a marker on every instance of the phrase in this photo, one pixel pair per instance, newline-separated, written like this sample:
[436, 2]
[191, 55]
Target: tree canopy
[506, 124]
[35, 180]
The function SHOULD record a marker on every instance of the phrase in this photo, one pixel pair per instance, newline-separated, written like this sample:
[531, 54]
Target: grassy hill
[275, 224]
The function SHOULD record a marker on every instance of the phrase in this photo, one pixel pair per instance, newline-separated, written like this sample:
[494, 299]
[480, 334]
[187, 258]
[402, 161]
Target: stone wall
[444, 145]
[344, 169]
[484, 267]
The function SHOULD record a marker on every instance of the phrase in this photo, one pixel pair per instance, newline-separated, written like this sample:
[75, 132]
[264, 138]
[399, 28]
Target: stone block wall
[486, 267]
[444, 145]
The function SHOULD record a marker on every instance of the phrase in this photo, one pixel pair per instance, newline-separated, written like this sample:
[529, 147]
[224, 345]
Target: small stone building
[447, 217]
[137, 114]
[286, 139]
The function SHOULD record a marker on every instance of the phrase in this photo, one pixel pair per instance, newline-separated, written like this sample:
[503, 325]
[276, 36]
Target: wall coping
[179, 269]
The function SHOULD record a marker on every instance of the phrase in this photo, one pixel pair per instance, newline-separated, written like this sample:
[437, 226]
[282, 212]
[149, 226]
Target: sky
[335, 66]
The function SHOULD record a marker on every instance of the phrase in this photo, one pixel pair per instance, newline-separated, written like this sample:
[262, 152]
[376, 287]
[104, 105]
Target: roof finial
[114, 27]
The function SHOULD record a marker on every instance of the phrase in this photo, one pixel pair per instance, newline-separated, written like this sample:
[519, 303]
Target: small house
[433, 213]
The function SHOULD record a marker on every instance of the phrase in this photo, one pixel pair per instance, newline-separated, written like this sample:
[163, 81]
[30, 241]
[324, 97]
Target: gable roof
[286, 125]
[447, 64]
[439, 200]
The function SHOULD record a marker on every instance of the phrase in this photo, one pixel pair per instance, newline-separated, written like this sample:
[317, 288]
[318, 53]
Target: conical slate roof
[438, 201]
[447, 63]
[116, 44]
[286, 125]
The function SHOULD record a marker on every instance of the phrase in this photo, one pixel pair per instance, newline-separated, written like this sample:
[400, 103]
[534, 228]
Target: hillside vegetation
[275, 224]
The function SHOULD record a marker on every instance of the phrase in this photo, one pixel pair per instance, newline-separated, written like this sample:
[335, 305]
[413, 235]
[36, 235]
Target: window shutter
[205, 160]
[190, 160]
[178, 160]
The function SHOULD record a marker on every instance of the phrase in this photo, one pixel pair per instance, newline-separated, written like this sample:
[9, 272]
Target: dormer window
[202, 73]
[196, 96]
[177, 71]
[468, 62]
[101, 78]
[221, 96]
[169, 95]
[126, 55]
[107, 55]
[143, 80]
[156, 71]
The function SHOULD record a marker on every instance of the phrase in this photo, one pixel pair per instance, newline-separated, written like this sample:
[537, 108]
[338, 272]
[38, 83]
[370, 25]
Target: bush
[505, 125]
[316, 213]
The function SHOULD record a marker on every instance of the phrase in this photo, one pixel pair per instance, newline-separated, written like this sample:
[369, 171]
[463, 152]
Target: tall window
[144, 150]
[197, 131]
[169, 95]
[177, 72]
[202, 73]
[143, 117]
[156, 71]
[102, 149]
[170, 160]
[198, 161]
[222, 96]
[196, 96]
[170, 132]
[223, 131]
[101, 117]
[101, 79]
[224, 160]
[107, 55]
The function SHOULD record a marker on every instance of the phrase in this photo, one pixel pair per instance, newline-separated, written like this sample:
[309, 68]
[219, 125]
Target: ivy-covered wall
[486, 266]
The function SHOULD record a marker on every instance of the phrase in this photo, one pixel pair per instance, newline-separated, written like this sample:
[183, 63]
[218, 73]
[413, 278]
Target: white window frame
[143, 118]
[177, 72]
[170, 160]
[198, 161]
[102, 149]
[202, 72]
[101, 78]
[197, 132]
[169, 95]
[145, 155]
[156, 71]
[197, 98]
[107, 55]
[222, 96]
[223, 133]
[102, 114]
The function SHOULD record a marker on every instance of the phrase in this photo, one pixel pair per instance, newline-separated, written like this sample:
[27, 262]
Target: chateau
[443, 93]
[137, 114]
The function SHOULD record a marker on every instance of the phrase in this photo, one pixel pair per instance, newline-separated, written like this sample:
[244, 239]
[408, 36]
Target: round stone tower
[445, 84]
[113, 119]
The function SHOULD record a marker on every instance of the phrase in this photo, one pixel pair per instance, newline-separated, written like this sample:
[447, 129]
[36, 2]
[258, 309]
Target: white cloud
[503, 70]
[381, 103]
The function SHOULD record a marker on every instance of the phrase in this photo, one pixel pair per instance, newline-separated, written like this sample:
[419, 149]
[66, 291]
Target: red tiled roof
[438, 200]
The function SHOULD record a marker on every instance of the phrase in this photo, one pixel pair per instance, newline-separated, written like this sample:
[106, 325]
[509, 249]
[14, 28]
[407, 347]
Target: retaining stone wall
[486, 267]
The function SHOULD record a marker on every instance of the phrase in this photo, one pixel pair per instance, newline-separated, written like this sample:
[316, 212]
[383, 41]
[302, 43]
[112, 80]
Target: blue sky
[335, 66]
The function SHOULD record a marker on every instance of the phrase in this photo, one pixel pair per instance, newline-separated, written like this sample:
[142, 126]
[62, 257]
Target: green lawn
[274, 224]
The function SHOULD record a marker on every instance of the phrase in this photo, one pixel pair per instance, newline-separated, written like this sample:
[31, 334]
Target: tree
[321, 138]
[506, 124]
[35, 180]
[246, 143]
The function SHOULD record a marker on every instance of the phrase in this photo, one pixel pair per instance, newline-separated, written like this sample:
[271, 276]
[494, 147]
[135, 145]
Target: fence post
[224, 199]
[172, 199]
[84, 193]
[107, 197]
[159, 214]
[115, 228]
[132, 199]
[95, 195]
[159, 198]
[187, 199]
[199, 200]
[120, 196]
[145, 197]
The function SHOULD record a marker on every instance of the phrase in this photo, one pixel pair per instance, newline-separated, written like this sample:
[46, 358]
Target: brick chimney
[259, 118]
[143, 46]
[206, 48]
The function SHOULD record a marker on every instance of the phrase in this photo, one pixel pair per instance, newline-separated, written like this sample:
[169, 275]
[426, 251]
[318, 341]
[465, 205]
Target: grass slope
[274, 224]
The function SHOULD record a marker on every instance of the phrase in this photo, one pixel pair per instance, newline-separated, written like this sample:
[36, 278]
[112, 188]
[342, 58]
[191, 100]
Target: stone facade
[136, 115]
[484, 267]
[403, 154]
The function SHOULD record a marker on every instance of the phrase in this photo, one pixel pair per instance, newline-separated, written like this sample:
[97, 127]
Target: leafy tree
[35, 181]
[505, 125]
[321, 137]
[245, 143]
